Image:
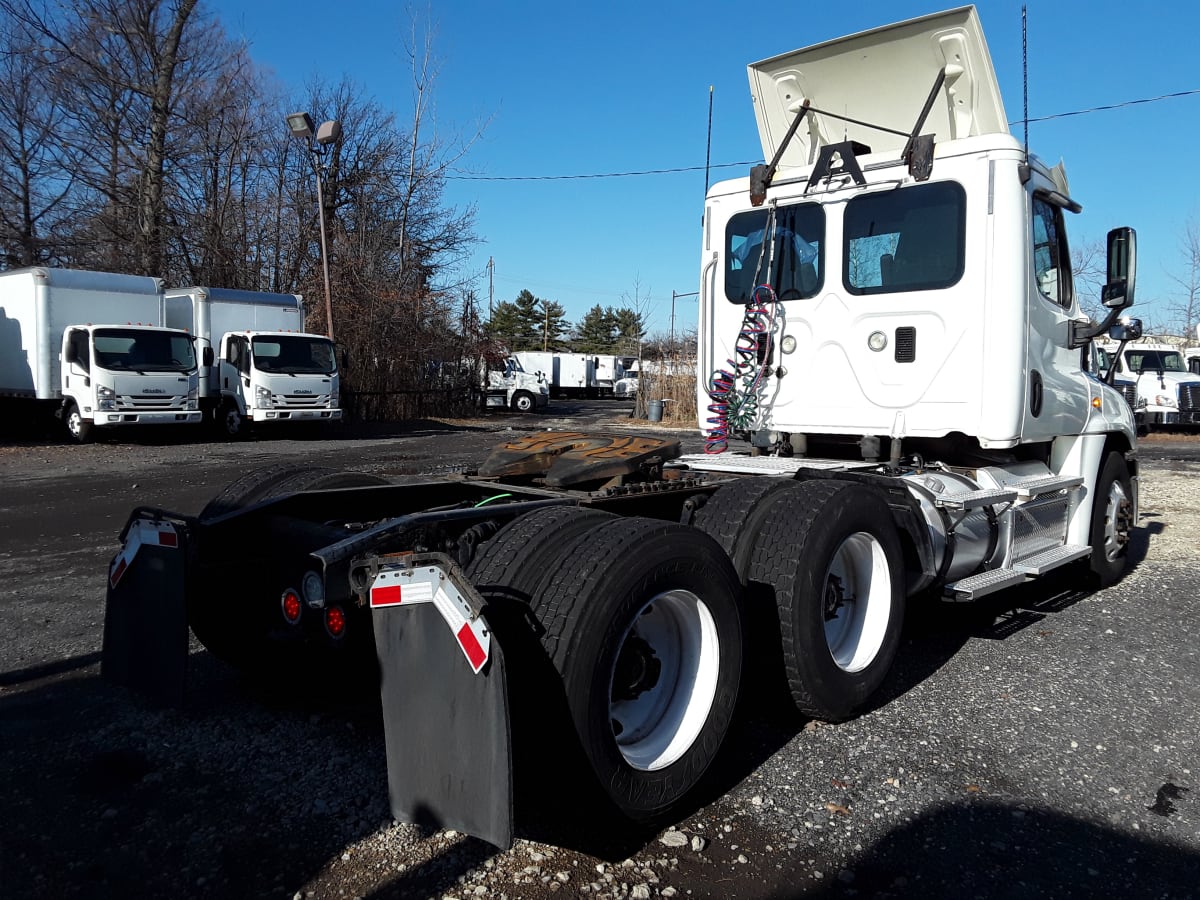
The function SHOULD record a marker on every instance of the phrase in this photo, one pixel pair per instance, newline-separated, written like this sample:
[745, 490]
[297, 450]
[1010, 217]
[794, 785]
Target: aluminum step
[976, 499]
[1055, 557]
[1051, 483]
[975, 586]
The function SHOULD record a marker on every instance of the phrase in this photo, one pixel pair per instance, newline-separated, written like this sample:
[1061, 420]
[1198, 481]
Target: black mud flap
[145, 611]
[446, 728]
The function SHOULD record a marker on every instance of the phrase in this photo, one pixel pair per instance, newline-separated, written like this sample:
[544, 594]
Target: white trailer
[258, 364]
[90, 346]
[906, 419]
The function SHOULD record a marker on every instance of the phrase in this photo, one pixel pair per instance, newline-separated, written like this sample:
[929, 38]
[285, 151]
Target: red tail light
[291, 605]
[335, 621]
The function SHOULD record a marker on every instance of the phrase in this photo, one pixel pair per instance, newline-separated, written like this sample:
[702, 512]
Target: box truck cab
[276, 377]
[257, 362]
[55, 353]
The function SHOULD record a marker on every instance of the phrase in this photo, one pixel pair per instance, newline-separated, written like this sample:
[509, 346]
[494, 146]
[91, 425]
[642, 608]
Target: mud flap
[446, 728]
[145, 612]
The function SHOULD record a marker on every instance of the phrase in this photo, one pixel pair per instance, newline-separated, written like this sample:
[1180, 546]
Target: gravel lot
[1041, 745]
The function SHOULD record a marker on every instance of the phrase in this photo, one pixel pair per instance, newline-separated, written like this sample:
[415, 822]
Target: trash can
[654, 410]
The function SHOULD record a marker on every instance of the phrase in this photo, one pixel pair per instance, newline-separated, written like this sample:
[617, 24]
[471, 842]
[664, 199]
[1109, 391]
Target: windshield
[293, 355]
[1154, 360]
[143, 351]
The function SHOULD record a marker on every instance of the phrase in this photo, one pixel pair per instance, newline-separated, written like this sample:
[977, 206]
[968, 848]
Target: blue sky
[569, 89]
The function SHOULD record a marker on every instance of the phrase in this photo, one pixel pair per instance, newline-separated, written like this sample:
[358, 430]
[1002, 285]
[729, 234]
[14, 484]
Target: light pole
[675, 295]
[320, 141]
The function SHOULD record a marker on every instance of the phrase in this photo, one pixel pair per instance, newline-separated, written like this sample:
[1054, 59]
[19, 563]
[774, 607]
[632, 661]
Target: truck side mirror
[345, 361]
[1122, 267]
[1126, 330]
[206, 356]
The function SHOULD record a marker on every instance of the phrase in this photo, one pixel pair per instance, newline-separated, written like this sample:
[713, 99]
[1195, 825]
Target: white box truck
[90, 347]
[257, 363]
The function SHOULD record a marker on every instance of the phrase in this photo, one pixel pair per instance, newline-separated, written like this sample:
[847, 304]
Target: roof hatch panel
[882, 76]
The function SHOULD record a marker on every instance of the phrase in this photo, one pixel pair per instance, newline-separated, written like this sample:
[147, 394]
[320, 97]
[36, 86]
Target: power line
[679, 169]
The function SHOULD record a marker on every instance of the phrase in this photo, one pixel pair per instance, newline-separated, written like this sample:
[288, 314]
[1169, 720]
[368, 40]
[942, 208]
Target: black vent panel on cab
[906, 344]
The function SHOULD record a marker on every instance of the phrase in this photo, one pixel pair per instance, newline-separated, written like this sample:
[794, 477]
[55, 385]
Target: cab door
[1056, 400]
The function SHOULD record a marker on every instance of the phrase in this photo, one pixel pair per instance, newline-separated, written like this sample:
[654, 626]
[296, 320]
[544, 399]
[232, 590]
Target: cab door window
[1051, 258]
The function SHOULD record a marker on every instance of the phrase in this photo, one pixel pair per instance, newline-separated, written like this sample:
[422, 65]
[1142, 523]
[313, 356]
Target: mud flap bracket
[445, 710]
[145, 610]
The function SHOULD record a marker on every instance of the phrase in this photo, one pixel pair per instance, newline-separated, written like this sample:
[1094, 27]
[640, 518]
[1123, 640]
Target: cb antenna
[1025, 76]
[708, 145]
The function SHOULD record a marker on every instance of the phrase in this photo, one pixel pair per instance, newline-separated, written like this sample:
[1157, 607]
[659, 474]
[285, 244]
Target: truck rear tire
[1112, 520]
[734, 515]
[79, 428]
[830, 556]
[234, 620]
[640, 619]
[515, 559]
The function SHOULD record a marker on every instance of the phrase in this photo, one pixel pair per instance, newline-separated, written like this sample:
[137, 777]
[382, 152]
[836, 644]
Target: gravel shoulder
[1042, 745]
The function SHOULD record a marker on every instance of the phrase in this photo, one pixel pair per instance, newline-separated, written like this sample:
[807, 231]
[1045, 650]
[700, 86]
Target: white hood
[882, 76]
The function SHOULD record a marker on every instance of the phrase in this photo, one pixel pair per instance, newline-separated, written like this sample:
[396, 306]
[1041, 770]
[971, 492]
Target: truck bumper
[295, 415]
[141, 417]
[1172, 417]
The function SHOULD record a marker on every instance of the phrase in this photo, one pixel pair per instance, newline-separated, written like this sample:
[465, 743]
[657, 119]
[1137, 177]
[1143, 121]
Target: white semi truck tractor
[897, 409]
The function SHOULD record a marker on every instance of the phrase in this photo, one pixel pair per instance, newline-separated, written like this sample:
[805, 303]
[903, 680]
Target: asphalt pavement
[1041, 744]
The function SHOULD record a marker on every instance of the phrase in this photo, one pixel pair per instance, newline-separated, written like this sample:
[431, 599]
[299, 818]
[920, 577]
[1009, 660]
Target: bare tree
[35, 175]
[1185, 305]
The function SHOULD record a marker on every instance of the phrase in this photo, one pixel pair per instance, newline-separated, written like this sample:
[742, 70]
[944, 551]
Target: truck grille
[1130, 392]
[127, 402]
[1189, 397]
[906, 344]
[301, 401]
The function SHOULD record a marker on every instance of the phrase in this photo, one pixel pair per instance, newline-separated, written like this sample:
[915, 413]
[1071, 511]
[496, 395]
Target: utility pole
[546, 327]
[491, 267]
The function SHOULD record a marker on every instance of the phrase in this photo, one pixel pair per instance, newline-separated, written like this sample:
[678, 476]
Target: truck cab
[1168, 388]
[508, 386]
[127, 375]
[276, 377]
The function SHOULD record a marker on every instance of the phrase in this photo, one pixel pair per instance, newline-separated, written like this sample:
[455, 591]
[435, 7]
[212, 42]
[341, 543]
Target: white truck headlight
[106, 397]
[193, 398]
[262, 398]
[333, 401]
[1168, 400]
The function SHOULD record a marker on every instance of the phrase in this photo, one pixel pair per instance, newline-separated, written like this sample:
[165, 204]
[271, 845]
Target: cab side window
[77, 350]
[1051, 258]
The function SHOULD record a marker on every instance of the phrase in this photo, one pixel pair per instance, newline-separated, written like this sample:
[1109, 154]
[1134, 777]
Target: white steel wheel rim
[857, 602]
[657, 715]
[75, 422]
[1116, 526]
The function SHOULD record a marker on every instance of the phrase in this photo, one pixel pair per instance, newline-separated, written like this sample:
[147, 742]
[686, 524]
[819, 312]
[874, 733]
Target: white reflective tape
[142, 531]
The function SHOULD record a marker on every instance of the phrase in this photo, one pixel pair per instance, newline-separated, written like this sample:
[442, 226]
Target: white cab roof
[882, 76]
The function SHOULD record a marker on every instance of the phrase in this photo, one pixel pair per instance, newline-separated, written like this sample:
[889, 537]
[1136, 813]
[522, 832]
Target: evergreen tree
[630, 330]
[508, 327]
[597, 331]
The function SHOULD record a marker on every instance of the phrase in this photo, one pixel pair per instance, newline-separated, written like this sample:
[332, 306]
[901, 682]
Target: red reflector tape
[168, 539]
[476, 655]
[118, 572]
[389, 595]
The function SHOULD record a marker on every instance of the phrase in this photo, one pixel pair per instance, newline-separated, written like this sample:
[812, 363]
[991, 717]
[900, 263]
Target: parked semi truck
[509, 385]
[582, 608]
[1168, 390]
[258, 366]
[89, 346]
[576, 375]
